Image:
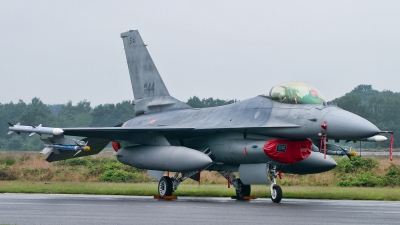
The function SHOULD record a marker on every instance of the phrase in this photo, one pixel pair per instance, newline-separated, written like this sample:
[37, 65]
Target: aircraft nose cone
[346, 125]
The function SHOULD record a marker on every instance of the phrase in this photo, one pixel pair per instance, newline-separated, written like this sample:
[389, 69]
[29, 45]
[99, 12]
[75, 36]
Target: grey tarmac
[102, 209]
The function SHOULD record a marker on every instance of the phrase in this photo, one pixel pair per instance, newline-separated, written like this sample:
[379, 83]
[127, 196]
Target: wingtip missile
[376, 138]
[57, 131]
[34, 129]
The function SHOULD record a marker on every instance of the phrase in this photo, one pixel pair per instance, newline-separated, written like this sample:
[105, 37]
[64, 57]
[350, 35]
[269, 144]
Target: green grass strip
[214, 190]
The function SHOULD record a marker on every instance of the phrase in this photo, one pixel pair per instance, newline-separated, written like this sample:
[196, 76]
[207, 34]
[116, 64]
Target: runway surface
[92, 209]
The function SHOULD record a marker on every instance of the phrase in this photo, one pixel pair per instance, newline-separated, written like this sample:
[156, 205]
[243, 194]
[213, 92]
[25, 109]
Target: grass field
[209, 190]
[370, 178]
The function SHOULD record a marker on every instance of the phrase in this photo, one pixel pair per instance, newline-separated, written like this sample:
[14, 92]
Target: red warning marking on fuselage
[152, 121]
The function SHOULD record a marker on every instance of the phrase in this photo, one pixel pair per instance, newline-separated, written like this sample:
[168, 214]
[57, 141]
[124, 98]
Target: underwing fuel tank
[164, 158]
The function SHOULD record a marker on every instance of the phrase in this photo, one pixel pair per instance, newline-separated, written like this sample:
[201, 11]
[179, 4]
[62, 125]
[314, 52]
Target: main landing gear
[276, 191]
[167, 185]
[242, 190]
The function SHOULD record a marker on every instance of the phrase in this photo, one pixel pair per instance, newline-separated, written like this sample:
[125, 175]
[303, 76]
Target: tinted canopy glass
[296, 93]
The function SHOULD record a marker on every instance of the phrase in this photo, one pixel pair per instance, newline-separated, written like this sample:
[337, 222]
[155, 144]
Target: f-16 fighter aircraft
[281, 131]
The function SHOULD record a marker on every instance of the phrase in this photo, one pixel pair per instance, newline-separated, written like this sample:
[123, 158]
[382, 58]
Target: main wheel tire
[276, 195]
[242, 190]
[165, 187]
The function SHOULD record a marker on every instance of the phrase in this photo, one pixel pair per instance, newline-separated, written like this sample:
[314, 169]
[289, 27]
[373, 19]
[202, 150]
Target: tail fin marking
[145, 79]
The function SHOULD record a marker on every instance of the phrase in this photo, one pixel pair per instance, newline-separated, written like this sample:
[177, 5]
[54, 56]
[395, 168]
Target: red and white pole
[391, 146]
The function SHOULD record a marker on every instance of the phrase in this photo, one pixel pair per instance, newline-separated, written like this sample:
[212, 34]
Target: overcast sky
[72, 50]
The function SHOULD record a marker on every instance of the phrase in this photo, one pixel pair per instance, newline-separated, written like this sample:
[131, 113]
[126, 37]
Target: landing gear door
[156, 174]
[254, 173]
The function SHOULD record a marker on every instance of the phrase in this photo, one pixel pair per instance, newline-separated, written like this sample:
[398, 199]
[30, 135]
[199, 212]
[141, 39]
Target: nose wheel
[276, 191]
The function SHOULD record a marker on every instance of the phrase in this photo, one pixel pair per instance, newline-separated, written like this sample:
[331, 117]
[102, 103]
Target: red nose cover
[287, 151]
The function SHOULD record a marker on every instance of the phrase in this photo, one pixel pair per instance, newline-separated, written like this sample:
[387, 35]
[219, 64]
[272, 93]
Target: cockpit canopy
[296, 93]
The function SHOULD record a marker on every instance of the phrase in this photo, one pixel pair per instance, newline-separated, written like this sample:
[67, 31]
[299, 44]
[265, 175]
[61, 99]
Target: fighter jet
[284, 130]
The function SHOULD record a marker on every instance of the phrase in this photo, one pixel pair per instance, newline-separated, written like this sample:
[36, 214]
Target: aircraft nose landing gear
[276, 191]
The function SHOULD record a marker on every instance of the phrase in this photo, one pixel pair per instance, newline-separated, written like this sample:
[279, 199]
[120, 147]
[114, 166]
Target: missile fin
[78, 152]
[33, 133]
[10, 132]
[46, 150]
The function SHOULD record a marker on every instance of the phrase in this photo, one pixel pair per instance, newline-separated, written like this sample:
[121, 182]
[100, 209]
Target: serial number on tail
[149, 88]
[132, 40]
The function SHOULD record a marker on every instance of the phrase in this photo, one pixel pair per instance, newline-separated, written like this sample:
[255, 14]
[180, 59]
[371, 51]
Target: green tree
[36, 113]
[195, 102]
[111, 115]
[75, 116]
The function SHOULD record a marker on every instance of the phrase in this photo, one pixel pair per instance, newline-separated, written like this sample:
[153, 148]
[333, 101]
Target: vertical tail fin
[149, 90]
[145, 79]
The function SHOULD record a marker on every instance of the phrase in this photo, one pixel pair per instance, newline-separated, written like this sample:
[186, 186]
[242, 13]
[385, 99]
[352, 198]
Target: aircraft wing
[125, 133]
[119, 133]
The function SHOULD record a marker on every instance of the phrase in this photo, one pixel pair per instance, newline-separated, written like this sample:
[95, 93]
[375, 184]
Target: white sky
[72, 50]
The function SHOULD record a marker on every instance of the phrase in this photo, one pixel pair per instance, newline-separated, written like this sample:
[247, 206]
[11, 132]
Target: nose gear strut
[276, 191]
